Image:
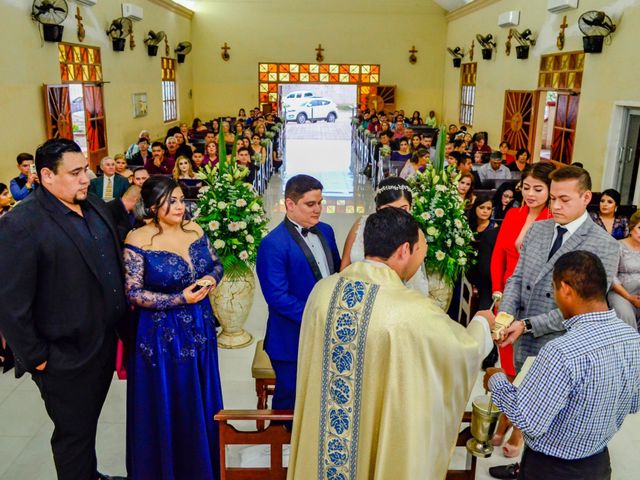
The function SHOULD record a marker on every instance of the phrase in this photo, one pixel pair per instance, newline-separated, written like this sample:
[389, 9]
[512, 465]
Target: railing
[366, 152]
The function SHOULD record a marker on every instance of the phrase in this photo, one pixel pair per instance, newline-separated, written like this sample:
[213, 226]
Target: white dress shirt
[571, 227]
[315, 245]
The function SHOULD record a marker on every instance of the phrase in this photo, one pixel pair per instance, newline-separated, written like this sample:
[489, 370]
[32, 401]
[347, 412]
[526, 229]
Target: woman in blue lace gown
[174, 382]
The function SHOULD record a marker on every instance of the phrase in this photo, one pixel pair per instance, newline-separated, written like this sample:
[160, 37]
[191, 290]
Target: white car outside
[314, 110]
[294, 98]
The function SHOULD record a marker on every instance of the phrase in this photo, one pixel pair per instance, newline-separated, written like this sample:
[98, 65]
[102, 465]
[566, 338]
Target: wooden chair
[265, 377]
[276, 436]
[468, 301]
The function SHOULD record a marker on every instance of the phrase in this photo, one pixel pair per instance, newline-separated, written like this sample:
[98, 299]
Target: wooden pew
[276, 436]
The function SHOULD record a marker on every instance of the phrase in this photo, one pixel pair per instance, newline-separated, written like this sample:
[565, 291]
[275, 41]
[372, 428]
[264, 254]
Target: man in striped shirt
[580, 387]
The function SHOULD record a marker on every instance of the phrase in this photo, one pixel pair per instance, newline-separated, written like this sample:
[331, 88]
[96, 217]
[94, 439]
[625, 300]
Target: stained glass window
[169, 97]
[561, 71]
[270, 75]
[468, 92]
[79, 63]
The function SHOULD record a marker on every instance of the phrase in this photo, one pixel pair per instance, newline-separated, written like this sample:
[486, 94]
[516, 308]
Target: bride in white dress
[392, 192]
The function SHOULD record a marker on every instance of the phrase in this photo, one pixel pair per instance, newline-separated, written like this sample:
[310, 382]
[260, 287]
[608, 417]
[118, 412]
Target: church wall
[282, 31]
[26, 65]
[608, 77]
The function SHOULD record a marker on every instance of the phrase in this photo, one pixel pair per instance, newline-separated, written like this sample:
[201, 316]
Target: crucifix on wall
[319, 56]
[225, 52]
[81, 31]
[563, 27]
[412, 57]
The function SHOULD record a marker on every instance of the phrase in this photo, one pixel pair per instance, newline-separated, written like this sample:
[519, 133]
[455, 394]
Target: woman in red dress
[516, 224]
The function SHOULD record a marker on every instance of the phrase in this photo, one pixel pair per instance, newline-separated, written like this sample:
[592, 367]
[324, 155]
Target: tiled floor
[25, 428]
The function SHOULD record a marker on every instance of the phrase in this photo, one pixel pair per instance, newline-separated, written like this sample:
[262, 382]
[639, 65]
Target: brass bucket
[484, 420]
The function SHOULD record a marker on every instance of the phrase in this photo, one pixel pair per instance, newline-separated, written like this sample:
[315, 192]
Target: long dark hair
[609, 192]
[473, 217]
[540, 171]
[156, 192]
[391, 189]
[499, 210]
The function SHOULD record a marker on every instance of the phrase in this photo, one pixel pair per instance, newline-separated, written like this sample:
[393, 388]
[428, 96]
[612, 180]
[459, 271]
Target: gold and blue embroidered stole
[342, 372]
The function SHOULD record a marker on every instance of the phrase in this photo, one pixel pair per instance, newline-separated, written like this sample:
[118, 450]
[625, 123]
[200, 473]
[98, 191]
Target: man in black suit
[122, 212]
[59, 307]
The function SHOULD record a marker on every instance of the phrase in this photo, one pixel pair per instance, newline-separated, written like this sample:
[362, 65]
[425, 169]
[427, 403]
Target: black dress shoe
[505, 471]
[102, 476]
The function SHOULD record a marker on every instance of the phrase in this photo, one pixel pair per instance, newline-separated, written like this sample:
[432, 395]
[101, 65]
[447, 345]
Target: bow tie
[305, 231]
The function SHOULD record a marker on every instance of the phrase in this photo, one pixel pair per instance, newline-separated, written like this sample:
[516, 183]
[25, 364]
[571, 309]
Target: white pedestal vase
[231, 301]
[440, 290]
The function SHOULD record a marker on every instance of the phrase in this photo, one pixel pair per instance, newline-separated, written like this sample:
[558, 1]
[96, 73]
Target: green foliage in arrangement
[232, 215]
[438, 209]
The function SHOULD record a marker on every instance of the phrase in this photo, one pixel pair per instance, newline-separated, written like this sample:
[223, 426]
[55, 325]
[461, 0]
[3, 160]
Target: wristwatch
[527, 325]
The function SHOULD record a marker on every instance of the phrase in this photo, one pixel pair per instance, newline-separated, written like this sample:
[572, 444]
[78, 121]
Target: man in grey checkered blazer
[528, 295]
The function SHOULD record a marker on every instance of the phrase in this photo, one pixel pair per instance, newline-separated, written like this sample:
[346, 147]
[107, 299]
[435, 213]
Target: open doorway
[318, 133]
[547, 126]
[76, 111]
[555, 138]
[628, 161]
[78, 115]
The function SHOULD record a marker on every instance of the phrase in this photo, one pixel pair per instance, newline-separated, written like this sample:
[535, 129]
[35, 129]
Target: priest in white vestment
[383, 373]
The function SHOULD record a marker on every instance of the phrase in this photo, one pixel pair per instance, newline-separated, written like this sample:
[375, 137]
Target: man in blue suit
[291, 259]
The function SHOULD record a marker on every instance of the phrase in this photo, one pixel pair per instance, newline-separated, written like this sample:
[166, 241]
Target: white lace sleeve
[357, 249]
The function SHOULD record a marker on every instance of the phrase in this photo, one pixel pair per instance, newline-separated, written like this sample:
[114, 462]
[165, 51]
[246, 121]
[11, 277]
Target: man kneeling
[383, 373]
[580, 387]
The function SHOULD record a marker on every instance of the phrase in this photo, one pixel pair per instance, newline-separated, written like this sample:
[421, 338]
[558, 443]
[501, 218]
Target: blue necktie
[558, 241]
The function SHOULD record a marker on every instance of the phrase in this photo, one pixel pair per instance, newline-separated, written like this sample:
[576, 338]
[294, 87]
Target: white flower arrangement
[440, 213]
[232, 215]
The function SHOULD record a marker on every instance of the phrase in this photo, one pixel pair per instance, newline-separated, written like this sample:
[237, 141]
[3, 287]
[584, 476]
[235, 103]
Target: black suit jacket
[52, 304]
[120, 218]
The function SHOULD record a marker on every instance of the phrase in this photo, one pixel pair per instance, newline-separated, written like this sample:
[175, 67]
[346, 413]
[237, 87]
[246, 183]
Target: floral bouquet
[385, 150]
[440, 213]
[256, 158]
[265, 142]
[270, 134]
[232, 215]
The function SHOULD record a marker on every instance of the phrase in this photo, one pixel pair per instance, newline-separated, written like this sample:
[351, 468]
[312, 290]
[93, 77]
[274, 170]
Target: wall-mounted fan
[118, 31]
[50, 14]
[526, 40]
[182, 50]
[152, 40]
[488, 45]
[457, 54]
[595, 26]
